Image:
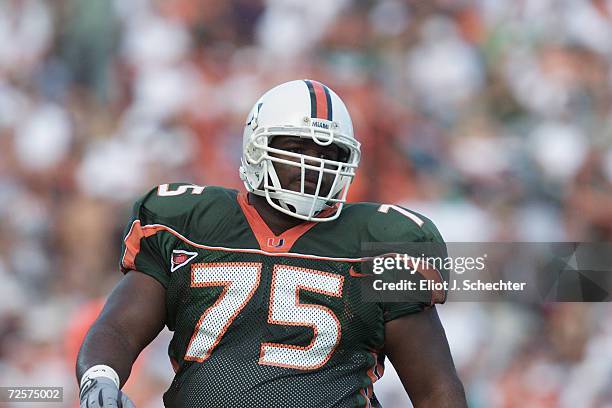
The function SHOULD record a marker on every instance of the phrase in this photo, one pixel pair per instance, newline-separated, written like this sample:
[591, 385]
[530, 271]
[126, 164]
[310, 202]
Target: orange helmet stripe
[320, 100]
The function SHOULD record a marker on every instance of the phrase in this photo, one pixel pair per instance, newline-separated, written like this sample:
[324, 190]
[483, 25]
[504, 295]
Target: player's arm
[133, 316]
[417, 347]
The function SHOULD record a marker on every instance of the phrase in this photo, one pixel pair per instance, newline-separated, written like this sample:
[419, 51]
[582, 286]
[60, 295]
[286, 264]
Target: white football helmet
[305, 109]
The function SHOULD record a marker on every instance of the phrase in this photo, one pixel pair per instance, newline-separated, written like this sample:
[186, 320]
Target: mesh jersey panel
[232, 374]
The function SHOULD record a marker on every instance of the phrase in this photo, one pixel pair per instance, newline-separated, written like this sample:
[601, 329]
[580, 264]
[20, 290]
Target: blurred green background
[493, 118]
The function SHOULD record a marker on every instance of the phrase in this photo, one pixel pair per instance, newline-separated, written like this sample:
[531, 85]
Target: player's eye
[322, 155]
[297, 150]
[328, 156]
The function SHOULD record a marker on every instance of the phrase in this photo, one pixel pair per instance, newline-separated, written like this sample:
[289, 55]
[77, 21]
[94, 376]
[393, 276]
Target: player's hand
[101, 392]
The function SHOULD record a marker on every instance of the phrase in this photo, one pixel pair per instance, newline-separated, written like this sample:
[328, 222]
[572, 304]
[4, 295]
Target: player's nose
[312, 153]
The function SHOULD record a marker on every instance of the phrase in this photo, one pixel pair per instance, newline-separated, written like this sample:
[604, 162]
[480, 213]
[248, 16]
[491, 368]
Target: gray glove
[101, 392]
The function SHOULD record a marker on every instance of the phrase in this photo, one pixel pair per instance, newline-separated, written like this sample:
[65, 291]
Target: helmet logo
[253, 119]
[320, 124]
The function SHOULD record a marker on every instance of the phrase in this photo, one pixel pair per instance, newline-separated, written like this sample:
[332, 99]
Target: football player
[262, 289]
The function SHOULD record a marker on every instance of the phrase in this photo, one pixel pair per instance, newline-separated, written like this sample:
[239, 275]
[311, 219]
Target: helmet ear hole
[254, 154]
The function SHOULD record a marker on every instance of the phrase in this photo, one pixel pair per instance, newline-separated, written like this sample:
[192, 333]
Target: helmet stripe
[320, 100]
[313, 99]
[329, 102]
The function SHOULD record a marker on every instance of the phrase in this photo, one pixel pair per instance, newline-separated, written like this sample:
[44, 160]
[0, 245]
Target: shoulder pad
[392, 223]
[169, 201]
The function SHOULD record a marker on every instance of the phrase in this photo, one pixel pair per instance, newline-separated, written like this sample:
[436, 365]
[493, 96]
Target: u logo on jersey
[276, 242]
[180, 258]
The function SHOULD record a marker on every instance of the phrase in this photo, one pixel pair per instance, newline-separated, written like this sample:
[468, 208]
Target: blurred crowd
[493, 118]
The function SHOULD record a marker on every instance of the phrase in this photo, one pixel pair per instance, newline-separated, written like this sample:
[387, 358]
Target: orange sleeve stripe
[132, 242]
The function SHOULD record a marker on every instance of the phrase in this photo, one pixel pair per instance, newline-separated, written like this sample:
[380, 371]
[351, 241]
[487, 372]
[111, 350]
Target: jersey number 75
[240, 281]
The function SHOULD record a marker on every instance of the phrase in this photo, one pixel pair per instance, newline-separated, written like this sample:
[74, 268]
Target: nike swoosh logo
[356, 274]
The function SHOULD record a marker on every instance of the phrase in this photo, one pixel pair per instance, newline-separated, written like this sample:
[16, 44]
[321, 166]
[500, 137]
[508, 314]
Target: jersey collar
[268, 240]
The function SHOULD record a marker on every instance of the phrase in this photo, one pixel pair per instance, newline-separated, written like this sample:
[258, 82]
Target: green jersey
[265, 320]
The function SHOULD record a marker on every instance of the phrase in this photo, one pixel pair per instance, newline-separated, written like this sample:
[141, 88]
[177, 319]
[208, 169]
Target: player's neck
[277, 221]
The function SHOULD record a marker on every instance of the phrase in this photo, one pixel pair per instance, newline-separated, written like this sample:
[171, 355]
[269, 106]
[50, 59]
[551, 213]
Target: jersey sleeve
[420, 237]
[143, 247]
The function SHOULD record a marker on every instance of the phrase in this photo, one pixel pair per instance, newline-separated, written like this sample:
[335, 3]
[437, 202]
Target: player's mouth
[310, 184]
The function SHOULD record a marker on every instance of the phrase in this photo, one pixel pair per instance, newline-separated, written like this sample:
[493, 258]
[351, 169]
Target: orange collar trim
[268, 240]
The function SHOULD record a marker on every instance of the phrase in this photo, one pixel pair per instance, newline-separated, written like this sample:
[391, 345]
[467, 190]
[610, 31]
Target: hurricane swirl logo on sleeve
[181, 258]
